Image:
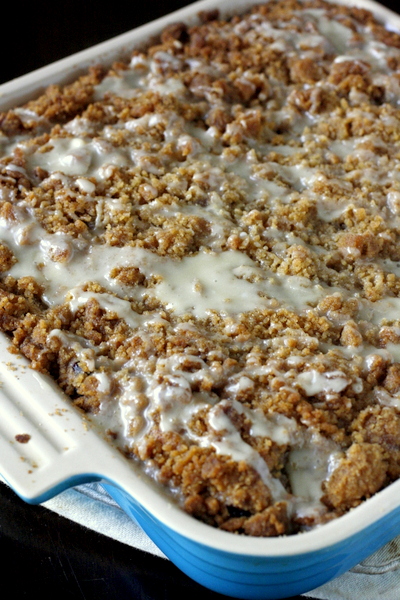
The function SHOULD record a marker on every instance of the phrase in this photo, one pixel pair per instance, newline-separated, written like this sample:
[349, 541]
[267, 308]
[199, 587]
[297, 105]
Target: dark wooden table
[42, 553]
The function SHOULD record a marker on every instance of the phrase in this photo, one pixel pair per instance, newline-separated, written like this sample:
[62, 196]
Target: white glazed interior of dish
[138, 487]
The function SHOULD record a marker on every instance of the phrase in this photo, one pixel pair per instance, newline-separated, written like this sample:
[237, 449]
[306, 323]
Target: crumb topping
[201, 246]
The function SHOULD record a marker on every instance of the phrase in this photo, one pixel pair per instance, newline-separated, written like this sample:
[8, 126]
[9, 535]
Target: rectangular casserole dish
[47, 446]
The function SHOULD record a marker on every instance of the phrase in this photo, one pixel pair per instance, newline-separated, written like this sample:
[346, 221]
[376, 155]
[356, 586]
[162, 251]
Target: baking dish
[64, 450]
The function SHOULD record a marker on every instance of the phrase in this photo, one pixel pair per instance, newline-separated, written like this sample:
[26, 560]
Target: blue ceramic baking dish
[65, 449]
[288, 567]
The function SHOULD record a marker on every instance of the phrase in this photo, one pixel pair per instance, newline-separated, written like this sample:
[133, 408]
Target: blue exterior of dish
[258, 577]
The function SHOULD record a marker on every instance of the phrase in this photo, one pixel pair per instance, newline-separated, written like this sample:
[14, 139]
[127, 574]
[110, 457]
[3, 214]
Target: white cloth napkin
[91, 506]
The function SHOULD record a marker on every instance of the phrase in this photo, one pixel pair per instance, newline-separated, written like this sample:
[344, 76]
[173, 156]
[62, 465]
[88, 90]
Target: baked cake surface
[201, 246]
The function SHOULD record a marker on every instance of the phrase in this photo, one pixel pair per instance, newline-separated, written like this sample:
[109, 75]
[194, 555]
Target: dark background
[42, 31]
[41, 553]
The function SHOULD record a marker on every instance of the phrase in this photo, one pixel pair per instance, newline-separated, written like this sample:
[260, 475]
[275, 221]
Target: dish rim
[156, 501]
